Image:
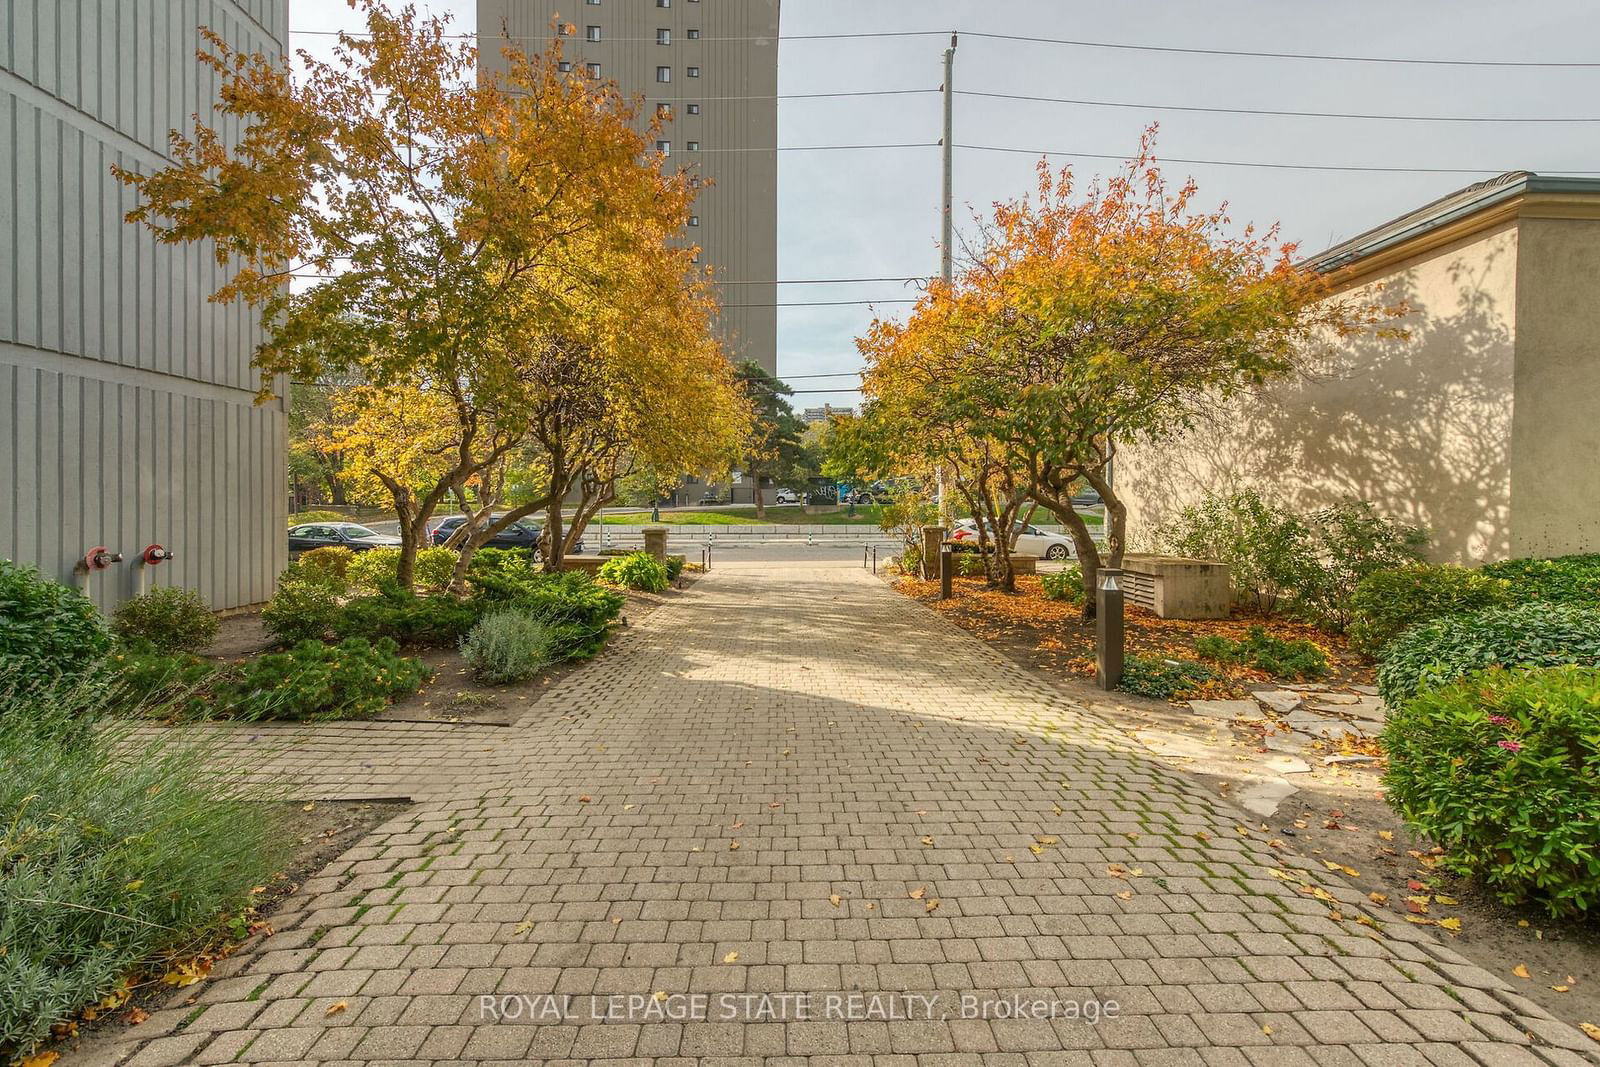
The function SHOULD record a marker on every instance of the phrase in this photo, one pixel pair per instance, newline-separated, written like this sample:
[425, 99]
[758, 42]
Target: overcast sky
[846, 214]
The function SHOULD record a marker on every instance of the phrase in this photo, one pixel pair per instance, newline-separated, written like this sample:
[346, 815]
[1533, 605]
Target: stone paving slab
[793, 782]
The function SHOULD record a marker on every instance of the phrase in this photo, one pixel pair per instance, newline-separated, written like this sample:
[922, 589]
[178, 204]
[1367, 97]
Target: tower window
[694, 220]
[593, 69]
[694, 146]
[663, 3]
[664, 147]
[663, 37]
[694, 72]
[663, 74]
[694, 109]
[594, 33]
[664, 111]
[564, 67]
[694, 35]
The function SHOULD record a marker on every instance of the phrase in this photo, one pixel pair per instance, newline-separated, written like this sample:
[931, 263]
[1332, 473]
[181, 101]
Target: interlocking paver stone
[793, 782]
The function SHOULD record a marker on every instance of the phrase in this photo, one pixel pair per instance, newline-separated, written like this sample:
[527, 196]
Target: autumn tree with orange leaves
[455, 229]
[1088, 318]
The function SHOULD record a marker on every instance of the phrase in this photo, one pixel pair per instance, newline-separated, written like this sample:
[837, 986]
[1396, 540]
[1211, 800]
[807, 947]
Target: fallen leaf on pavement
[1521, 971]
[919, 892]
[730, 957]
[337, 1006]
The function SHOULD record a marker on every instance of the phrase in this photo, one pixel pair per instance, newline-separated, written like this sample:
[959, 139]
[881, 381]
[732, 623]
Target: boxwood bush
[1066, 584]
[1389, 601]
[304, 606]
[1502, 769]
[1567, 579]
[330, 563]
[373, 569]
[580, 609]
[436, 621]
[171, 619]
[1526, 635]
[47, 629]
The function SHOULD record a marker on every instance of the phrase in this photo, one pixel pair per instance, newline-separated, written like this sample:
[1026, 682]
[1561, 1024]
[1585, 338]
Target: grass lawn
[866, 515]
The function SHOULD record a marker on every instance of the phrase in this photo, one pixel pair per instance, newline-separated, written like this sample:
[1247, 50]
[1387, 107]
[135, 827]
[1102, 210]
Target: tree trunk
[755, 481]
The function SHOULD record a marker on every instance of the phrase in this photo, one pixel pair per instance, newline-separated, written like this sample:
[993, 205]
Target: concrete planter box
[591, 564]
[1176, 587]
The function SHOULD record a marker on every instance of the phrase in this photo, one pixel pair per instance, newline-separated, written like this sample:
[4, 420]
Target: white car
[786, 496]
[1031, 541]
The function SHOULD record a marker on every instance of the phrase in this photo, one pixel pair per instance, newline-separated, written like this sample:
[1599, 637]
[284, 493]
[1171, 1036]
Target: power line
[1269, 111]
[1027, 39]
[1349, 168]
[1078, 43]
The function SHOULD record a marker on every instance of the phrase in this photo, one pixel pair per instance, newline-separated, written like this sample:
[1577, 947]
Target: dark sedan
[349, 535]
[520, 534]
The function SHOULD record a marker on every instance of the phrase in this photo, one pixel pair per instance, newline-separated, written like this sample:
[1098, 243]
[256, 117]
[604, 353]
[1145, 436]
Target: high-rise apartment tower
[713, 66]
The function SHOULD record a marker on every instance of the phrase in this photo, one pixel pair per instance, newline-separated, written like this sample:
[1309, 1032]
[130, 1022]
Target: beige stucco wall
[1420, 426]
[1555, 440]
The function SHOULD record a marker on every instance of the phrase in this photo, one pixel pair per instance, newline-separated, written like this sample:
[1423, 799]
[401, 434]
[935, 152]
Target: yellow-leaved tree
[446, 220]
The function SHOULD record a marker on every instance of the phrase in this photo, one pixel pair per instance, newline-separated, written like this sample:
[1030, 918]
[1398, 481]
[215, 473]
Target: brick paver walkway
[793, 781]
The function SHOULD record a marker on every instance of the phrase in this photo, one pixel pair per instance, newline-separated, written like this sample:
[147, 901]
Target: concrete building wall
[736, 129]
[1422, 427]
[126, 399]
[1555, 441]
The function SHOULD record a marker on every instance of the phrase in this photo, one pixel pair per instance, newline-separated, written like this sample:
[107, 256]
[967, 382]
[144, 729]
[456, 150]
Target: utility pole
[947, 223]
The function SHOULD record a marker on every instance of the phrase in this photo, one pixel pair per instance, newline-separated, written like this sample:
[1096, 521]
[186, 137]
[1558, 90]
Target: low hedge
[436, 621]
[168, 617]
[1391, 601]
[1502, 769]
[1564, 580]
[1526, 635]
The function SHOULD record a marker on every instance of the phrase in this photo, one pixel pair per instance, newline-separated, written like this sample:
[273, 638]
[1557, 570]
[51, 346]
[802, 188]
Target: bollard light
[1108, 629]
[947, 570]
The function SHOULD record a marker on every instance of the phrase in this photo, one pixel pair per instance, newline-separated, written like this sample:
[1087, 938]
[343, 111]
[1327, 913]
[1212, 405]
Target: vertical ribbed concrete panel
[127, 414]
[734, 49]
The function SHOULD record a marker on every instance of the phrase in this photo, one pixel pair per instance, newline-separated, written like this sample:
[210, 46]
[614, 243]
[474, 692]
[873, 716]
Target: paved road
[793, 814]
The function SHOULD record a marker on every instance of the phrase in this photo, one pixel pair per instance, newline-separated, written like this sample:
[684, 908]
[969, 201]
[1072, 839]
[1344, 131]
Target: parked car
[348, 534]
[786, 496]
[711, 500]
[1086, 499]
[520, 534]
[863, 496]
[1031, 541]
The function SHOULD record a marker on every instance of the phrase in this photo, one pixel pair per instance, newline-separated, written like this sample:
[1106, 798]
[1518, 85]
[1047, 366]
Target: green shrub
[303, 607]
[149, 677]
[1568, 579]
[580, 609]
[637, 570]
[169, 618]
[1389, 601]
[331, 564]
[1268, 551]
[116, 847]
[47, 629]
[1502, 770]
[510, 646]
[437, 621]
[1296, 658]
[970, 564]
[435, 567]
[509, 562]
[675, 565]
[314, 680]
[300, 518]
[1066, 584]
[1526, 635]
[1350, 541]
[373, 569]
[1163, 678]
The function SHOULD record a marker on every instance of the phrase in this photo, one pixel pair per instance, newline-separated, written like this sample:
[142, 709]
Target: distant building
[1480, 425]
[127, 414]
[712, 66]
[824, 413]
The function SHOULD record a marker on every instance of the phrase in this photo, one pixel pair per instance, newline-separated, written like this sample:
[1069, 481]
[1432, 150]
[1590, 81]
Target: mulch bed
[1052, 634]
